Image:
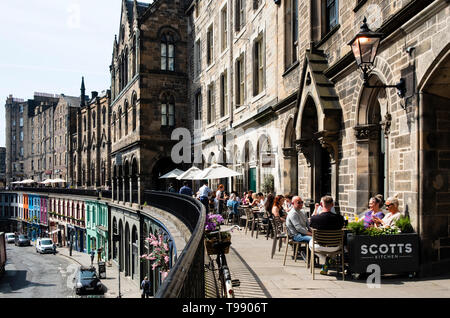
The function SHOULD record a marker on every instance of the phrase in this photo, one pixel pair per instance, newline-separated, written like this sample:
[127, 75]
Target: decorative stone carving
[329, 141]
[386, 124]
[364, 132]
[290, 152]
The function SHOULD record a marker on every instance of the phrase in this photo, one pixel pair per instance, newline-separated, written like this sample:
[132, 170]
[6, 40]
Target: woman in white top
[393, 216]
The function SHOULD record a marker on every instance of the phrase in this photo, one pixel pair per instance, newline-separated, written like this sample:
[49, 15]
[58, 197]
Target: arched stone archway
[433, 217]
[127, 250]
[121, 246]
[134, 181]
[134, 251]
[372, 131]
[115, 230]
[318, 158]
[290, 160]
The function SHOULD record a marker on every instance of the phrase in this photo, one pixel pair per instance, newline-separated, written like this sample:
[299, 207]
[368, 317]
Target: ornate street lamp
[364, 47]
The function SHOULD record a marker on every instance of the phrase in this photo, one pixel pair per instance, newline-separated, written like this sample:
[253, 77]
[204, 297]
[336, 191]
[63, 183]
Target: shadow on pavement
[17, 280]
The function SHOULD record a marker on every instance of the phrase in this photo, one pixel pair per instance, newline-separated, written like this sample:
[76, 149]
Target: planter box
[394, 254]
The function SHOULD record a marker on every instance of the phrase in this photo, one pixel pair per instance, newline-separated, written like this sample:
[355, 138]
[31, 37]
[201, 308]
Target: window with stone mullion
[167, 53]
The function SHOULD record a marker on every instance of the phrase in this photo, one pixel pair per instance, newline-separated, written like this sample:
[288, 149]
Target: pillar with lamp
[364, 47]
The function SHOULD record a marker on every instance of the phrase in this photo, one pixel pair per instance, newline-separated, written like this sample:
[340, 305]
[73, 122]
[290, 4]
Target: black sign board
[394, 254]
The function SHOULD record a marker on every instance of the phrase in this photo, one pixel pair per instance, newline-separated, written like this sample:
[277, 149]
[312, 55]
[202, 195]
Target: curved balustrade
[186, 277]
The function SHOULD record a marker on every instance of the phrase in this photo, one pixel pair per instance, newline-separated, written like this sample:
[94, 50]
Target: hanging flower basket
[211, 240]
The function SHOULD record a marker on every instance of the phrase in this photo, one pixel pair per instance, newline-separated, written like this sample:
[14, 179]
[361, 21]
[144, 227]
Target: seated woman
[392, 216]
[255, 202]
[233, 204]
[277, 209]
[375, 211]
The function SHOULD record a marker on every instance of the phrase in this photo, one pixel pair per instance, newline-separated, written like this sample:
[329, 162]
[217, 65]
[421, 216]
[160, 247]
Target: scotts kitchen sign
[393, 253]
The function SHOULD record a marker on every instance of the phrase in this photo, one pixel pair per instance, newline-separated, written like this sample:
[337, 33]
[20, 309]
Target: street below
[32, 275]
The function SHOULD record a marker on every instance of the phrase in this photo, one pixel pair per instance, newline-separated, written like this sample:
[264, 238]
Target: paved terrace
[249, 261]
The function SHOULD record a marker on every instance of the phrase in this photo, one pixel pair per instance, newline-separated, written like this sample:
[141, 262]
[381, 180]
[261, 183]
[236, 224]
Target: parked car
[22, 240]
[44, 245]
[86, 281]
[10, 237]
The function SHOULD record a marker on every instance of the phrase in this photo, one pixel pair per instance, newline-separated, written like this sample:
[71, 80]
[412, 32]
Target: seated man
[326, 220]
[297, 223]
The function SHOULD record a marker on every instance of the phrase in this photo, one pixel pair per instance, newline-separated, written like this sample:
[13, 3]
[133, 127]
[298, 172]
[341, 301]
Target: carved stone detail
[364, 132]
[386, 124]
[329, 141]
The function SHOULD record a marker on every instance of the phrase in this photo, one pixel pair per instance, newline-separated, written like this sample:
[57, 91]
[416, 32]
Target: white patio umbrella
[172, 174]
[16, 182]
[48, 181]
[216, 171]
[190, 174]
[58, 180]
[27, 181]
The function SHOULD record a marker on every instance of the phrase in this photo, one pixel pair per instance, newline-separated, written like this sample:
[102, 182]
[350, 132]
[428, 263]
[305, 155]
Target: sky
[48, 45]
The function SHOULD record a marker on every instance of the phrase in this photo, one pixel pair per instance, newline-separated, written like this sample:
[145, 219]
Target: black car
[22, 240]
[86, 281]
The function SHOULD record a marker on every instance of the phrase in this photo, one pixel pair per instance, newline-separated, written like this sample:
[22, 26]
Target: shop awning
[55, 231]
[102, 228]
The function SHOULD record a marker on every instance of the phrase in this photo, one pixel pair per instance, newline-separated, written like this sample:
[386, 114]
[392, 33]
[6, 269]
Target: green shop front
[97, 229]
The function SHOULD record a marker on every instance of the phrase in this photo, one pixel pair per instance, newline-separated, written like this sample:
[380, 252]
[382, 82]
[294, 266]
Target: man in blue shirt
[204, 192]
[185, 189]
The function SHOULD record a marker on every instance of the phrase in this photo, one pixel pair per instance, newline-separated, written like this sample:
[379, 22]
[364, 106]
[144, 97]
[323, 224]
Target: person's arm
[275, 211]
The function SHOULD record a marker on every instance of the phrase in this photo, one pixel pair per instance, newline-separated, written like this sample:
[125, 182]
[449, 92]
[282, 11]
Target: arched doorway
[249, 167]
[432, 218]
[115, 232]
[317, 157]
[372, 137]
[161, 167]
[135, 252]
[127, 250]
[266, 162]
[290, 157]
[121, 245]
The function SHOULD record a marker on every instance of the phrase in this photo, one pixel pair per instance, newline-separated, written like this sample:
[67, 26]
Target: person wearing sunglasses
[392, 216]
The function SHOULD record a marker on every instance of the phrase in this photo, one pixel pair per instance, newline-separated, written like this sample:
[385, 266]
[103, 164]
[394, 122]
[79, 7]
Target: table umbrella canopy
[190, 174]
[16, 182]
[48, 181]
[216, 171]
[172, 174]
[27, 181]
[58, 180]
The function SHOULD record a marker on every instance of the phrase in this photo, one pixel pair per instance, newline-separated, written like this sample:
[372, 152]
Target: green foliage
[268, 184]
[376, 231]
[356, 227]
[404, 224]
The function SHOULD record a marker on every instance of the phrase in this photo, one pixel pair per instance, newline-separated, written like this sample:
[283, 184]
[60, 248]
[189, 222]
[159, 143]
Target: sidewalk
[263, 277]
[128, 289]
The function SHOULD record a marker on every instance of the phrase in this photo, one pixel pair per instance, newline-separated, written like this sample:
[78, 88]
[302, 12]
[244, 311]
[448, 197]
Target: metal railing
[186, 279]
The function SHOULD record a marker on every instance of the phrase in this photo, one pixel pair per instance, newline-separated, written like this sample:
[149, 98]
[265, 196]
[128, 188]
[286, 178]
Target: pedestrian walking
[145, 286]
[70, 248]
[92, 257]
[54, 249]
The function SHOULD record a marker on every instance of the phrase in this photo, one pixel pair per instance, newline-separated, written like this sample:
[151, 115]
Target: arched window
[168, 111]
[167, 52]
[114, 126]
[134, 111]
[120, 122]
[104, 115]
[126, 117]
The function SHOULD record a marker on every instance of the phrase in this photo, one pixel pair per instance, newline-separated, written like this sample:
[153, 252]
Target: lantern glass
[365, 49]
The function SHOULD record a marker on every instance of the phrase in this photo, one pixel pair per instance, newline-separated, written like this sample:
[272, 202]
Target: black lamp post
[364, 47]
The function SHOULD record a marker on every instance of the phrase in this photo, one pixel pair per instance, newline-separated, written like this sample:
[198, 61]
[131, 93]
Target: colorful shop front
[97, 234]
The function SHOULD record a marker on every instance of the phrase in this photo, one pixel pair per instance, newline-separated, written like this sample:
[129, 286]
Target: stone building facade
[244, 88]
[2, 166]
[149, 94]
[298, 98]
[91, 143]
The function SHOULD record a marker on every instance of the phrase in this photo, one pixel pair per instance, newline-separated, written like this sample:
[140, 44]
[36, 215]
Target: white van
[10, 237]
[44, 245]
